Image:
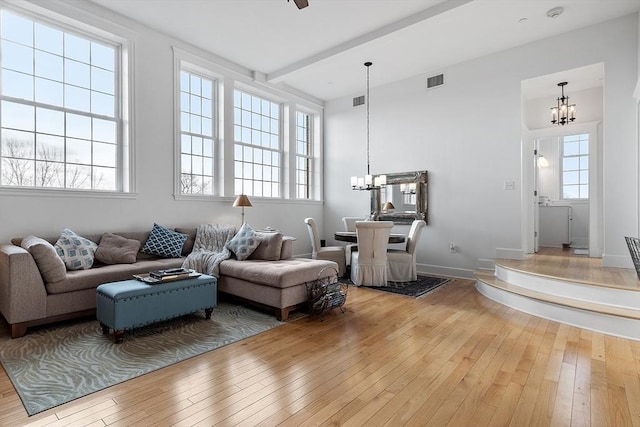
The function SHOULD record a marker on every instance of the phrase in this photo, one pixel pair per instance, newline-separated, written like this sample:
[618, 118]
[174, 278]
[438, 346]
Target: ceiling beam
[415, 18]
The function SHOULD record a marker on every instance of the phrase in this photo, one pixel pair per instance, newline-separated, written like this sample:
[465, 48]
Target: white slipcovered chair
[350, 225]
[331, 253]
[402, 263]
[369, 263]
[350, 222]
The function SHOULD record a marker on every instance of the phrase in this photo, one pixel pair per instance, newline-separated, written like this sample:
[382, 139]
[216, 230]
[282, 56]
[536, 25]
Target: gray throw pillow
[51, 266]
[269, 248]
[114, 249]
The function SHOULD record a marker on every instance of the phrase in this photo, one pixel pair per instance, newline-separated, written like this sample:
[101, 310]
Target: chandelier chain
[368, 64]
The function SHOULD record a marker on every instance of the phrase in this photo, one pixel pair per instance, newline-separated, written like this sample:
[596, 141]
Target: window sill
[58, 192]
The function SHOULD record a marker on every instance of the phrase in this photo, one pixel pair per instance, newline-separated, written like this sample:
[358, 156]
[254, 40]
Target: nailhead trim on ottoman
[130, 304]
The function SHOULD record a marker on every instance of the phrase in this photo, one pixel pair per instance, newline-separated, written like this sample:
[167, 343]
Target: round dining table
[350, 236]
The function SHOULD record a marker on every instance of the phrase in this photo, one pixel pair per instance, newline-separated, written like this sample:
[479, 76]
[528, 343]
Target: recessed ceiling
[320, 50]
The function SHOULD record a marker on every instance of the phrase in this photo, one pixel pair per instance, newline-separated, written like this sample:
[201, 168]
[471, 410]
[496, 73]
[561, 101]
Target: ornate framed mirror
[402, 200]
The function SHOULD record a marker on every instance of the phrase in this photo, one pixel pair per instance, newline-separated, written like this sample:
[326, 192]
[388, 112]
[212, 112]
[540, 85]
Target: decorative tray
[145, 277]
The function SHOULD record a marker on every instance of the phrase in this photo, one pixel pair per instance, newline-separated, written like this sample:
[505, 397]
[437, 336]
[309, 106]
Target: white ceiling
[320, 50]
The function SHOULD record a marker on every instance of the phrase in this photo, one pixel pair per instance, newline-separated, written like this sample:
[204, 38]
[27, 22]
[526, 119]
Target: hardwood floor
[452, 358]
[558, 262]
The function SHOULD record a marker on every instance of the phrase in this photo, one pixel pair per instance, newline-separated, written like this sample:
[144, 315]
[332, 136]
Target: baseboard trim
[486, 264]
[510, 253]
[437, 270]
[617, 261]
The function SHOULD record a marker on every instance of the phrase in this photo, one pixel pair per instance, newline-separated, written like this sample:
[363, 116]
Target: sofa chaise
[269, 278]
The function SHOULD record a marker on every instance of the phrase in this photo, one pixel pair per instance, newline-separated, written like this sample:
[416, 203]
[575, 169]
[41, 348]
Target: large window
[196, 133]
[575, 166]
[258, 152]
[304, 155]
[60, 114]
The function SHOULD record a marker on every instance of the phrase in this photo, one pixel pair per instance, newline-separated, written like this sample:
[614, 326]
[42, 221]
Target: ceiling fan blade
[301, 3]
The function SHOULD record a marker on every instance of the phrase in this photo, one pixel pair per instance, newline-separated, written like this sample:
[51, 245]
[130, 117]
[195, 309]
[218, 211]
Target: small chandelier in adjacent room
[564, 112]
[367, 183]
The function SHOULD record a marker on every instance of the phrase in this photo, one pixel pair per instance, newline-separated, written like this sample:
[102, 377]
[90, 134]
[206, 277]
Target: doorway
[564, 211]
[562, 173]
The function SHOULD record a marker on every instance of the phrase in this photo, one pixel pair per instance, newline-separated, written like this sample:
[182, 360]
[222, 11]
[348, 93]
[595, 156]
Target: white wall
[24, 213]
[467, 134]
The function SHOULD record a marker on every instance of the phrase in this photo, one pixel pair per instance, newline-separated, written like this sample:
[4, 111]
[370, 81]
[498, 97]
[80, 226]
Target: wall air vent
[358, 100]
[435, 81]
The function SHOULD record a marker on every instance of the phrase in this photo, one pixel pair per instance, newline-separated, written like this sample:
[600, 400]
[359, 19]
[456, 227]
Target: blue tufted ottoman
[131, 303]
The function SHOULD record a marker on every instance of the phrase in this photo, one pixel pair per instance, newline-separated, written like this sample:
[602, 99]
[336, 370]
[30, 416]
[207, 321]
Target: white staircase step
[567, 302]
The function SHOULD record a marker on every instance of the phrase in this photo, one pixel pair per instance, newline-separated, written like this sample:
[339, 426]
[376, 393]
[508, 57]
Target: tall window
[61, 116]
[196, 134]
[303, 155]
[575, 166]
[257, 151]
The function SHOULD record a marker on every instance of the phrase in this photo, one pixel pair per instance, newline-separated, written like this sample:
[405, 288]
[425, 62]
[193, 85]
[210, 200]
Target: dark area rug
[416, 289]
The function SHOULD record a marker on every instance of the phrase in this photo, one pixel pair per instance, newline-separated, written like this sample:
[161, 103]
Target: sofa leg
[282, 313]
[118, 336]
[18, 330]
[105, 329]
[207, 313]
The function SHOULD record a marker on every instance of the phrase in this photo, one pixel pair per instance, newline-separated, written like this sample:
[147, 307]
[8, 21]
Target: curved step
[581, 304]
[572, 289]
[601, 317]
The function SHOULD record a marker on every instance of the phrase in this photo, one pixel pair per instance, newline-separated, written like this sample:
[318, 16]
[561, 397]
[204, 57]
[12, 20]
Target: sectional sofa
[32, 292]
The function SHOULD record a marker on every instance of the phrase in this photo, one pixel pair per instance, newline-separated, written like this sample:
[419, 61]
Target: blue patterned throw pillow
[76, 251]
[164, 243]
[244, 242]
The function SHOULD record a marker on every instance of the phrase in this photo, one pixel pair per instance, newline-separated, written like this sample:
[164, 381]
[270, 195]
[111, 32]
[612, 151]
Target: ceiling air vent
[358, 100]
[435, 81]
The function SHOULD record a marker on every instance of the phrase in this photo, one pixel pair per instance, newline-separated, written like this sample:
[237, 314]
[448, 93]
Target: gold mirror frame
[419, 178]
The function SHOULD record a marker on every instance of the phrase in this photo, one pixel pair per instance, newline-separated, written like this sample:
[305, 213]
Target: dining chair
[331, 253]
[369, 263]
[350, 222]
[402, 263]
[350, 225]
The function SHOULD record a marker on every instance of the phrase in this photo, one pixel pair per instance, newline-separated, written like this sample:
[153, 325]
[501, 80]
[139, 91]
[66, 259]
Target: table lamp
[242, 201]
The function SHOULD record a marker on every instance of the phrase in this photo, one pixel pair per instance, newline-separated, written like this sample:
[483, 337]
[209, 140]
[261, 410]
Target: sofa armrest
[23, 296]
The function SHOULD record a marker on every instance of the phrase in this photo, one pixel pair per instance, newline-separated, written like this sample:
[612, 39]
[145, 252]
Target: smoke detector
[555, 12]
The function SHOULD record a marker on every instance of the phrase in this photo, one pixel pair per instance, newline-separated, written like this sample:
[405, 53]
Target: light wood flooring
[452, 358]
[558, 262]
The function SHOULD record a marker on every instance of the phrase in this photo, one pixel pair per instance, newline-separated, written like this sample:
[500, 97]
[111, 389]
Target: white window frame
[240, 182]
[123, 104]
[185, 66]
[308, 157]
[578, 156]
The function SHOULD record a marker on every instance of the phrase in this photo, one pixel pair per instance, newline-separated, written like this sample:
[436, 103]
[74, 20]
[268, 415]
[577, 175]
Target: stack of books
[170, 274]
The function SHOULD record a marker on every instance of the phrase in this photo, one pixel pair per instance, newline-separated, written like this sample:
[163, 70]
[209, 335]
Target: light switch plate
[509, 185]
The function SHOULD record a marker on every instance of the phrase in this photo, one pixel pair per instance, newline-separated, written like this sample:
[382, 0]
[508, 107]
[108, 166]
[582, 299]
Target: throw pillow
[114, 249]
[51, 266]
[164, 243]
[76, 251]
[244, 242]
[269, 247]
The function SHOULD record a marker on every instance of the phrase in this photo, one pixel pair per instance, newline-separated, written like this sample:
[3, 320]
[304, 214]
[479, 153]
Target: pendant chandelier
[367, 182]
[564, 112]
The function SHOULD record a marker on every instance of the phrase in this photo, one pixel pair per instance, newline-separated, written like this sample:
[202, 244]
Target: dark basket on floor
[326, 293]
[633, 244]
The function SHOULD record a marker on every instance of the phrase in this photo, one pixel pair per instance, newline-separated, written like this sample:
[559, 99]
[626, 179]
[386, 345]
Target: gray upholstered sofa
[27, 299]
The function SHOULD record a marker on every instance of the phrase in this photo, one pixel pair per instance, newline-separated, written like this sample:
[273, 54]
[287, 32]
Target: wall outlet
[509, 185]
[452, 248]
